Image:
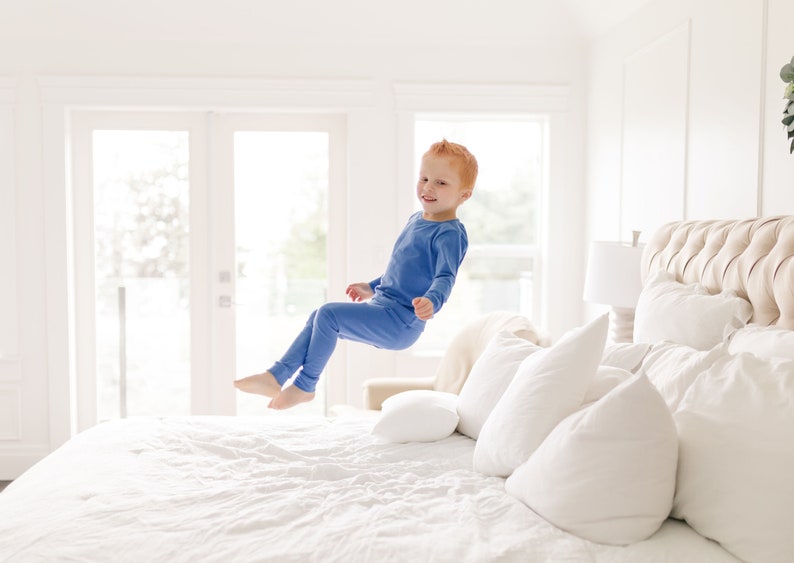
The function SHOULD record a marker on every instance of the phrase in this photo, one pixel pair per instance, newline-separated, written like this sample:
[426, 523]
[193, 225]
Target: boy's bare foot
[260, 383]
[289, 397]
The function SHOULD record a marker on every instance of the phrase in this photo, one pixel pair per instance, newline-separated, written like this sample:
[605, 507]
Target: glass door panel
[141, 236]
[281, 245]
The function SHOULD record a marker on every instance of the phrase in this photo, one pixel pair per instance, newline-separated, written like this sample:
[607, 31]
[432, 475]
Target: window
[502, 269]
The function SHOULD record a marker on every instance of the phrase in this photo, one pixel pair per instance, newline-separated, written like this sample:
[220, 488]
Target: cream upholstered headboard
[755, 257]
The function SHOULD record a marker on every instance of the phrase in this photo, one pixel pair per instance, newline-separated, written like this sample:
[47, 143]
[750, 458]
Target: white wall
[507, 42]
[684, 107]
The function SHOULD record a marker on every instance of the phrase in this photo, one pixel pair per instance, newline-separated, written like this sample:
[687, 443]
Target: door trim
[60, 95]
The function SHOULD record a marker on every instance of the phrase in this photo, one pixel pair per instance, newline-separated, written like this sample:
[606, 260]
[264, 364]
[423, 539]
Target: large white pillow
[736, 457]
[673, 367]
[419, 415]
[606, 473]
[686, 314]
[549, 385]
[763, 341]
[490, 375]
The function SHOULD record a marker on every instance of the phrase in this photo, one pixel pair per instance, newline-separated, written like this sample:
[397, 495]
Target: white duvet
[281, 488]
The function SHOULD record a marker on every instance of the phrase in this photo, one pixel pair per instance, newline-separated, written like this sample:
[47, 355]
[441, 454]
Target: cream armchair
[463, 351]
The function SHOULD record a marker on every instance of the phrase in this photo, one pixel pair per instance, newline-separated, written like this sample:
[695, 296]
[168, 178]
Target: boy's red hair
[460, 155]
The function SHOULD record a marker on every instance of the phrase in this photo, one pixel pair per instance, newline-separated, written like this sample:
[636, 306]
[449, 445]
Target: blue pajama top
[423, 263]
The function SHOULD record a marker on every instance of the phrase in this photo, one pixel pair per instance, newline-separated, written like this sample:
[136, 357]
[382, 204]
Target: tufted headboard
[755, 257]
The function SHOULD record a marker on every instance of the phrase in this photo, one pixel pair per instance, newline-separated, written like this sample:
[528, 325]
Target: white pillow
[605, 379]
[490, 375]
[419, 415]
[606, 473]
[736, 457]
[625, 355]
[763, 341]
[673, 367]
[686, 314]
[550, 385]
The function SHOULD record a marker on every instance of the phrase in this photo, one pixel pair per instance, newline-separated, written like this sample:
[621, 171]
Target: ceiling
[595, 17]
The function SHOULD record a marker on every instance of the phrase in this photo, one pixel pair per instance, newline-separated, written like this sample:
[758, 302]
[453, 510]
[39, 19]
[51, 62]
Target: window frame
[530, 251]
[550, 102]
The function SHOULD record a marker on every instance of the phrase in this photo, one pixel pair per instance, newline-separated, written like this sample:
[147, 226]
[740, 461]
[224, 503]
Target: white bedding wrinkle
[285, 488]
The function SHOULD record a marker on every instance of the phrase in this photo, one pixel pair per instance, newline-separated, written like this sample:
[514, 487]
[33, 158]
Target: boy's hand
[423, 308]
[359, 291]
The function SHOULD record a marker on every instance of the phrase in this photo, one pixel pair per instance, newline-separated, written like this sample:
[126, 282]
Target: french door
[202, 242]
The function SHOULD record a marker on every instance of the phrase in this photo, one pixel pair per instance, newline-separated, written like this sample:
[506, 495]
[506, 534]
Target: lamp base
[621, 321]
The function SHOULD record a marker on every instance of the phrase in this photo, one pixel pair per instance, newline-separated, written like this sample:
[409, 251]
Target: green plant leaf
[788, 119]
[791, 150]
[787, 72]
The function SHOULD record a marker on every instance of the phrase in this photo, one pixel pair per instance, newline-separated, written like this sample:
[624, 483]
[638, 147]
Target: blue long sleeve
[424, 263]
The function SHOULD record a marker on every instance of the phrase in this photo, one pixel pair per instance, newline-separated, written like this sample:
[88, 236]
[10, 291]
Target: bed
[712, 363]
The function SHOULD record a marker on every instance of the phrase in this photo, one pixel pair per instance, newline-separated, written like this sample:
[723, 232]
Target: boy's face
[439, 189]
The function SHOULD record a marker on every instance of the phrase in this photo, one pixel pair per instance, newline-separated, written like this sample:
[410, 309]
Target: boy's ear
[465, 195]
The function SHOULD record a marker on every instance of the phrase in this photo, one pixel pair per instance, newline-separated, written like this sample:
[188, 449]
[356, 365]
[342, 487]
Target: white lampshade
[613, 278]
[613, 274]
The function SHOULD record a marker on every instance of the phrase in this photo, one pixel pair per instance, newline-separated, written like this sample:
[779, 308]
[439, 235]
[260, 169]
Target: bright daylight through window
[502, 269]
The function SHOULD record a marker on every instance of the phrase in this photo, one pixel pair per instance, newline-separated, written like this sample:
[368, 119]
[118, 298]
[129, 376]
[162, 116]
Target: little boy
[417, 282]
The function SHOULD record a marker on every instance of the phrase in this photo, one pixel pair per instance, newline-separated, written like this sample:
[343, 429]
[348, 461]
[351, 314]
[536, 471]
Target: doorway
[202, 243]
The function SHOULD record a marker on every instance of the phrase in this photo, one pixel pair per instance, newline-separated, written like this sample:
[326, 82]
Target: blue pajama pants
[371, 323]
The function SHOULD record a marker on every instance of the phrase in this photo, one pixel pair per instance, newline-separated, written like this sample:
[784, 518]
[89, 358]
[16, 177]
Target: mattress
[286, 488]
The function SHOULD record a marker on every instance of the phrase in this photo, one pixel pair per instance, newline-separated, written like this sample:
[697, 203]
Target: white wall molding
[10, 361]
[8, 91]
[10, 413]
[518, 98]
[655, 95]
[204, 93]
[10, 369]
[9, 299]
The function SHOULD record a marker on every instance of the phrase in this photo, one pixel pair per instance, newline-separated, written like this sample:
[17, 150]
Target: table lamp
[613, 278]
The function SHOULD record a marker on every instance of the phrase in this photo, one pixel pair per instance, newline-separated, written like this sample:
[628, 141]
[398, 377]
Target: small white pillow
[419, 415]
[673, 367]
[550, 385]
[686, 314]
[606, 378]
[625, 355]
[736, 457]
[490, 375]
[763, 341]
[606, 473]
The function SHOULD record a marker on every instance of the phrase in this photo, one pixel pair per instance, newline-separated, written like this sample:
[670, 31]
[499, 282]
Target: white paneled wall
[10, 374]
[20, 442]
[684, 104]
[777, 195]
[653, 163]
